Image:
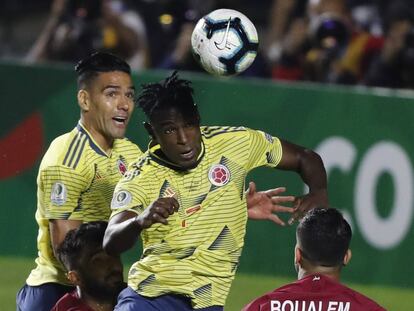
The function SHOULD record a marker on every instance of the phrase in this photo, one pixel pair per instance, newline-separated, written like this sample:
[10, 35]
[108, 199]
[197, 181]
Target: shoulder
[62, 143]
[61, 148]
[336, 289]
[63, 160]
[66, 153]
[278, 293]
[125, 142]
[223, 132]
[231, 132]
[144, 162]
[142, 167]
[362, 300]
[124, 145]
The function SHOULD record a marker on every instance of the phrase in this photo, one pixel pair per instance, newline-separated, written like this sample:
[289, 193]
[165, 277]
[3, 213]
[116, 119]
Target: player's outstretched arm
[262, 205]
[308, 164]
[124, 228]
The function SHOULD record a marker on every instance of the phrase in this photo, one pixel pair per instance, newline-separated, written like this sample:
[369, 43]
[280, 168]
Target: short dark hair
[98, 62]
[78, 241]
[324, 236]
[172, 92]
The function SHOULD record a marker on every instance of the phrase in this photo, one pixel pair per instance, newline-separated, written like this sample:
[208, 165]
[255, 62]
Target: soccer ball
[224, 42]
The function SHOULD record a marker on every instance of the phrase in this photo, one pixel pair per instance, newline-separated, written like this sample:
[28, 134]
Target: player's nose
[182, 137]
[125, 103]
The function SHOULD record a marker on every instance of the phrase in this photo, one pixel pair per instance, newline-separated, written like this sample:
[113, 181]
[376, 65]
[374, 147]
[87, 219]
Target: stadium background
[364, 136]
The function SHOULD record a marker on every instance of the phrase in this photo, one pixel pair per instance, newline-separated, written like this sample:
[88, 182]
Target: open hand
[263, 204]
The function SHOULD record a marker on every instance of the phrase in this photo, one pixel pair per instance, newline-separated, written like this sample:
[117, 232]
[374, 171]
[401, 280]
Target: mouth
[188, 155]
[120, 120]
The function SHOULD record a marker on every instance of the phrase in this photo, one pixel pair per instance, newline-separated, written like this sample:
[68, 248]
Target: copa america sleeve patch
[58, 196]
[121, 199]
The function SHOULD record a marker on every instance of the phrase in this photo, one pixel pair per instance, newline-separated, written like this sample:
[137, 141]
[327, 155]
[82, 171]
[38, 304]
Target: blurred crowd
[353, 42]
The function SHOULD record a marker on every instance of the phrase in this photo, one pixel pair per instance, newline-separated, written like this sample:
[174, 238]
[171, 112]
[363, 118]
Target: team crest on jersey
[121, 199]
[58, 195]
[219, 175]
[122, 168]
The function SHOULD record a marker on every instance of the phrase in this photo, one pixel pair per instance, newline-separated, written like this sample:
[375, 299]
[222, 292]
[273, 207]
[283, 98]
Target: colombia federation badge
[219, 175]
[122, 168]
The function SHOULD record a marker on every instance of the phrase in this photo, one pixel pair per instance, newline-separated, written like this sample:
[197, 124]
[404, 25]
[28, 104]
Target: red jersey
[313, 293]
[71, 302]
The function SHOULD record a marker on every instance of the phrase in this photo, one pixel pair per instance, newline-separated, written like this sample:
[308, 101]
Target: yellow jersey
[76, 181]
[197, 253]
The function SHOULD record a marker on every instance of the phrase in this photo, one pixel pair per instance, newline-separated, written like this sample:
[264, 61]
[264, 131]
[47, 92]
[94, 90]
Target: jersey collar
[92, 143]
[158, 157]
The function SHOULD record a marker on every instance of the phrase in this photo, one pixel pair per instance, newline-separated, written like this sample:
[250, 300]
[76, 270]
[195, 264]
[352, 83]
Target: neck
[330, 272]
[98, 306]
[104, 142]
[94, 303]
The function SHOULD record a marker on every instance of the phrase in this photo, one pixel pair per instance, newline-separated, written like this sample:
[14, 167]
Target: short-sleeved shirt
[197, 253]
[314, 292]
[76, 181]
[71, 302]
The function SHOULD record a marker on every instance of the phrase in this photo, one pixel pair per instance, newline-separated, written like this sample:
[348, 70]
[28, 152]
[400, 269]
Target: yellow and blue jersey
[197, 253]
[76, 181]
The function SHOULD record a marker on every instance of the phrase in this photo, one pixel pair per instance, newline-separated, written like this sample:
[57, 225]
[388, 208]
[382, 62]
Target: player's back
[76, 180]
[314, 292]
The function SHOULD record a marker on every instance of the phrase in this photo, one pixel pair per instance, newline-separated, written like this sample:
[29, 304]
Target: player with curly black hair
[79, 171]
[185, 197]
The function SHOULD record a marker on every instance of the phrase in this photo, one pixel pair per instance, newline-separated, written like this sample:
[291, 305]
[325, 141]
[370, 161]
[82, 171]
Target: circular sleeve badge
[121, 199]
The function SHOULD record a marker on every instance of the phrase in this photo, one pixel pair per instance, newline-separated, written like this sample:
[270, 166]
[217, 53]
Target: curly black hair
[172, 92]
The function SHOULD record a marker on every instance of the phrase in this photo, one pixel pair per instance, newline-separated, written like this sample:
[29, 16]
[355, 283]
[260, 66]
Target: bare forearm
[124, 228]
[312, 170]
[119, 237]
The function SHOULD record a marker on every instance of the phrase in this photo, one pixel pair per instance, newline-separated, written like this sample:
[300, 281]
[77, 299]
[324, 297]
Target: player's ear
[298, 255]
[347, 257]
[149, 130]
[73, 277]
[83, 100]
